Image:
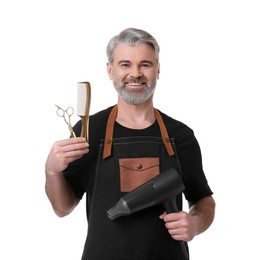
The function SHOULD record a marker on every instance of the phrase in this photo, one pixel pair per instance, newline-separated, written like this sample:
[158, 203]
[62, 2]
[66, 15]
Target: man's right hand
[64, 152]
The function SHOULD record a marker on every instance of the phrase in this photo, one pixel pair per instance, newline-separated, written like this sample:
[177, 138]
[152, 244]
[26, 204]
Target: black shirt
[80, 174]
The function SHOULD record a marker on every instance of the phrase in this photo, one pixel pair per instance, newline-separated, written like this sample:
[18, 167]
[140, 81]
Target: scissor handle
[66, 114]
[60, 111]
[69, 111]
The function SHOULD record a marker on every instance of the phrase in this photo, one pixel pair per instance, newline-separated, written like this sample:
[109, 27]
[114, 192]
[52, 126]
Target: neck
[135, 116]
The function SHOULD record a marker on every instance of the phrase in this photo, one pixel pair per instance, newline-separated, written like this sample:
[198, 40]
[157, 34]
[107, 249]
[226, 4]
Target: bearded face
[134, 91]
[134, 72]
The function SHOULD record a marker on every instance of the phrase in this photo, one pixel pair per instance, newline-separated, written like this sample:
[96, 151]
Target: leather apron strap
[110, 129]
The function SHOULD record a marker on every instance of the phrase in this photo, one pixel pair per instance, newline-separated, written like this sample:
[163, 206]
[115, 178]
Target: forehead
[134, 53]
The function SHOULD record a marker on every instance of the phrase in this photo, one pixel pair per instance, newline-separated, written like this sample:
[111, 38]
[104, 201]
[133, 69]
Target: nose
[136, 72]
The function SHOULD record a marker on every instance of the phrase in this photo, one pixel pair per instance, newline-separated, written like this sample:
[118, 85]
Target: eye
[124, 64]
[146, 65]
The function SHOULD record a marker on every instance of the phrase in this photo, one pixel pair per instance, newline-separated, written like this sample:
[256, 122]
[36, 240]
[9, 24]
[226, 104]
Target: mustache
[135, 81]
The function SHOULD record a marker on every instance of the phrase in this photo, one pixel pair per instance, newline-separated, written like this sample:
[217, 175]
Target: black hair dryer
[162, 189]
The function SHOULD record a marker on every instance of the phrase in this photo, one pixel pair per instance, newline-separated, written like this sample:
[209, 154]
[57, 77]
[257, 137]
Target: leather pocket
[137, 171]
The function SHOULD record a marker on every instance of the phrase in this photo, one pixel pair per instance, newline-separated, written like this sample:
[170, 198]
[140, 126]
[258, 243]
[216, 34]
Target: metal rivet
[139, 166]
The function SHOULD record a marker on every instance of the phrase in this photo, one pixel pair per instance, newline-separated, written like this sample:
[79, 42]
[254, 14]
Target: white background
[210, 64]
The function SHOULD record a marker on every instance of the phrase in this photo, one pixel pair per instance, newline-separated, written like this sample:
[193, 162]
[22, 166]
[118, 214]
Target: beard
[134, 97]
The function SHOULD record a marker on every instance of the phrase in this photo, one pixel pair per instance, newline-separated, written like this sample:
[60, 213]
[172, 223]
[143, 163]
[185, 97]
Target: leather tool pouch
[137, 171]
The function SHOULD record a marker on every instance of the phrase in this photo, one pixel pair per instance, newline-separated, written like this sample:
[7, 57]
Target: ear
[158, 71]
[109, 71]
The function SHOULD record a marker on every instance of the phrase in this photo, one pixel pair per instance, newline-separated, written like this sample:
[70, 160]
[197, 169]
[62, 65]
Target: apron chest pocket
[137, 171]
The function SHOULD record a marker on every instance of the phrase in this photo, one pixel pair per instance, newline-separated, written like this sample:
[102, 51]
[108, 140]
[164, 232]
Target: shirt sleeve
[189, 153]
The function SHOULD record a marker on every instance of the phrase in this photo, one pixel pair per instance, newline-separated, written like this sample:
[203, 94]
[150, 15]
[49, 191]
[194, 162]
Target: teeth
[134, 84]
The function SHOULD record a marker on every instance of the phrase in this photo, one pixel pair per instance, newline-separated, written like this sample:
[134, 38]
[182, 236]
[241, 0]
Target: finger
[69, 145]
[162, 215]
[171, 217]
[171, 225]
[76, 147]
[179, 237]
[70, 141]
[75, 154]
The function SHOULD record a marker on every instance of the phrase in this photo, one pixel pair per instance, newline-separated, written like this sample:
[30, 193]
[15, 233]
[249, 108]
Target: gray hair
[132, 37]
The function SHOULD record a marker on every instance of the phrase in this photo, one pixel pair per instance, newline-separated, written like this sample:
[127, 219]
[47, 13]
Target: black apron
[124, 164]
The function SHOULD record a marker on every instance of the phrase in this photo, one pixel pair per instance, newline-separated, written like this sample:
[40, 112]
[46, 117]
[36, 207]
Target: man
[129, 144]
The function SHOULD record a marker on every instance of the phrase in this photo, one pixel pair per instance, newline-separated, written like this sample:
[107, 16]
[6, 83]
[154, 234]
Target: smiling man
[135, 76]
[130, 143]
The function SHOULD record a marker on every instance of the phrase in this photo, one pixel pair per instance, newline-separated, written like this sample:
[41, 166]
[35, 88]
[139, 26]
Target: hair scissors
[66, 114]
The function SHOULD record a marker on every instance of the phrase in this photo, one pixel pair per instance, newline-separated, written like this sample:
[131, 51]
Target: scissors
[66, 114]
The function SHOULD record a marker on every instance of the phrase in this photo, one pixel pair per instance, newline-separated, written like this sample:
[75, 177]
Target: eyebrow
[128, 61]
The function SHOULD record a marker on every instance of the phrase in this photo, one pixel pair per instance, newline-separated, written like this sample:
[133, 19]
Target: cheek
[154, 77]
[117, 76]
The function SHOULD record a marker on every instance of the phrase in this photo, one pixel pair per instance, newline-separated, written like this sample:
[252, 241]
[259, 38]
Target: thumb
[162, 215]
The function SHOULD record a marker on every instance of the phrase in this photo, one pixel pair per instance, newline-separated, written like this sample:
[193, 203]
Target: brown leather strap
[164, 133]
[109, 132]
[110, 129]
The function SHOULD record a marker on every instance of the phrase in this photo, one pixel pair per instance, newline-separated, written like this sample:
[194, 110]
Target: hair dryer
[162, 189]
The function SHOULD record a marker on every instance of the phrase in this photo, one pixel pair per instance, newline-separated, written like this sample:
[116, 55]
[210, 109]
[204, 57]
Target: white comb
[83, 106]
